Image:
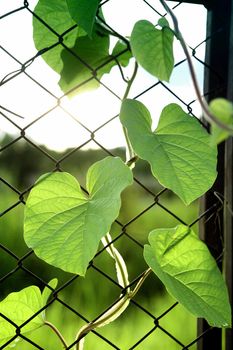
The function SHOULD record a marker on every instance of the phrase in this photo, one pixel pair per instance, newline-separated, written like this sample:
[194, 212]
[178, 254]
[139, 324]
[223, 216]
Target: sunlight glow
[72, 123]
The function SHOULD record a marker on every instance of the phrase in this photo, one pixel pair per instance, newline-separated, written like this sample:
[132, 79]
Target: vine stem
[131, 158]
[140, 282]
[122, 303]
[130, 81]
[57, 332]
[112, 313]
[121, 268]
[204, 105]
[131, 154]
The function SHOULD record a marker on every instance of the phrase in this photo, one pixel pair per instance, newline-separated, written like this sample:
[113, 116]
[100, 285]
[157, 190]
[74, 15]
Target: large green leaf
[189, 272]
[87, 55]
[153, 49]
[83, 13]
[56, 15]
[21, 306]
[63, 225]
[179, 150]
[78, 66]
[223, 110]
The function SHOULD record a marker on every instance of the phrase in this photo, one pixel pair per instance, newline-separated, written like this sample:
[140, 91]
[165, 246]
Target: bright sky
[58, 130]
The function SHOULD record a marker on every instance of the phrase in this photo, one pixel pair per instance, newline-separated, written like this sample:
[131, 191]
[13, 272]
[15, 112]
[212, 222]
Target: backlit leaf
[153, 49]
[123, 58]
[63, 225]
[178, 151]
[58, 20]
[21, 306]
[87, 56]
[163, 22]
[47, 291]
[189, 272]
[223, 110]
[83, 13]
[78, 66]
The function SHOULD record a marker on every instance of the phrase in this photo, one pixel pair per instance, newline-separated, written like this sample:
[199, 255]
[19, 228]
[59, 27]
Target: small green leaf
[223, 110]
[19, 307]
[153, 49]
[123, 58]
[178, 151]
[63, 225]
[163, 22]
[189, 272]
[47, 291]
[83, 13]
[56, 15]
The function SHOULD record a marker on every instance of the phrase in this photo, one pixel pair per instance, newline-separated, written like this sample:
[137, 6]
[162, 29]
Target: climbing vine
[64, 225]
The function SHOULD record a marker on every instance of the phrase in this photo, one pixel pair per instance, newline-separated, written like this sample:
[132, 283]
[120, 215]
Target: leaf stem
[140, 282]
[116, 310]
[130, 151]
[204, 105]
[106, 28]
[57, 332]
[111, 314]
[130, 81]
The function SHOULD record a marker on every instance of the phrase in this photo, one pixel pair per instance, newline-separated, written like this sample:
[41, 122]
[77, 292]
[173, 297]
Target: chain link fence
[153, 320]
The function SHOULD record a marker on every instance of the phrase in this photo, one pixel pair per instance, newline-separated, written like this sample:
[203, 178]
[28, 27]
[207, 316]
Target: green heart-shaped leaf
[189, 272]
[88, 54]
[83, 13]
[63, 225]
[179, 150]
[21, 306]
[223, 110]
[93, 53]
[153, 49]
[56, 15]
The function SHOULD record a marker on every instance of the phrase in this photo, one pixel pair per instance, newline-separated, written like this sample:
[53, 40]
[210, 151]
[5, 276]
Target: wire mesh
[27, 159]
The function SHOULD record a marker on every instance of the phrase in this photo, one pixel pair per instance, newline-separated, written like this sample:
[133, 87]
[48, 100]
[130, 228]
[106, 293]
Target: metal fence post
[228, 217]
[228, 224]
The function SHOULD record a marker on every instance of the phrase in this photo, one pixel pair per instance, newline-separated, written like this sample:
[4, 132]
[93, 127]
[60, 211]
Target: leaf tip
[163, 22]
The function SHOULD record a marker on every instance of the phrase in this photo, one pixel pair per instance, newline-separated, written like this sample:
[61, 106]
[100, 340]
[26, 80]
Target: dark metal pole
[228, 217]
[228, 221]
[206, 3]
[218, 83]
